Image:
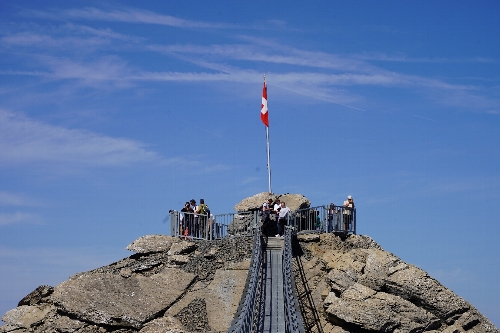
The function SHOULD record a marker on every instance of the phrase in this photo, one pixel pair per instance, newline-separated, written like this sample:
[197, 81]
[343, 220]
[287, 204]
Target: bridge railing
[244, 318]
[293, 317]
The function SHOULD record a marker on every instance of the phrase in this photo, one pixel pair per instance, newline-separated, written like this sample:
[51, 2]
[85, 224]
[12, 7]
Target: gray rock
[182, 248]
[25, 316]
[163, 325]
[179, 259]
[110, 299]
[36, 295]
[378, 311]
[371, 289]
[310, 237]
[194, 316]
[152, 243]
[293, 201]
[415, 284]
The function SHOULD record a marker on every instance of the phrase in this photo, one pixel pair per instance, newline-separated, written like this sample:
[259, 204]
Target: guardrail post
[174, 223]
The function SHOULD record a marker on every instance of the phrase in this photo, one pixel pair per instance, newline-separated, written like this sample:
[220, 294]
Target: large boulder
[378, 311]
[293, 201]
[26, 316]
[152, 243]
[369, 289]
[37, 295]
[111, 299]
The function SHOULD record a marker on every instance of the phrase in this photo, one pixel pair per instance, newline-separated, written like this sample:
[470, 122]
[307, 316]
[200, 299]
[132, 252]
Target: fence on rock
[210, 227]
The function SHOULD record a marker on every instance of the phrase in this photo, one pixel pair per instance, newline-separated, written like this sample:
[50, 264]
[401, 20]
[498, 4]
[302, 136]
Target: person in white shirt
[282, 219]
[276, 209]
[347, 212]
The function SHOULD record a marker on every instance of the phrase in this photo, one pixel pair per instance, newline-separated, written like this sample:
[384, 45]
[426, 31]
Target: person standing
[203, 214]
[196, 225]
[332, 212]
[347, 213]
[276, 209]
[187, 218]
[266, 215]
[282, 219]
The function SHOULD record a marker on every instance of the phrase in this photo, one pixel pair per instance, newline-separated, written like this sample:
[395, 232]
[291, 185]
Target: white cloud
[19, 218]
[132, 16]
[25, 140]
[11, 199]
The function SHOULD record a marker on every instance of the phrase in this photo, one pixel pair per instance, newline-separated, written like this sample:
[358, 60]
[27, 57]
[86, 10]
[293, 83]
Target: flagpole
[268, 160]
[268, 150]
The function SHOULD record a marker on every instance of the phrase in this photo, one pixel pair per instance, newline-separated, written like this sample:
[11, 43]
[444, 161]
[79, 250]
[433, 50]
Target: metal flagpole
[268, 160]
[268, 149]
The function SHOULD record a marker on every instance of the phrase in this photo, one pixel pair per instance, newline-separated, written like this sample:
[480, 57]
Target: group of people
[334, 216]
[195, 220]
[282, 213]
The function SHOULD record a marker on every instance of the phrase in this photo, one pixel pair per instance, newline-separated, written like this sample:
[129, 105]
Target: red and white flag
[263, 109]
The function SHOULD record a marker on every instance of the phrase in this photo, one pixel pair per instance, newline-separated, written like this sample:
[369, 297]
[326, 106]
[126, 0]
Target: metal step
[275, 243]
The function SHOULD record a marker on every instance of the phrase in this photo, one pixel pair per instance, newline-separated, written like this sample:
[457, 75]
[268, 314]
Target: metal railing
[244, 318]
[200, 226]
[321, 218]
[293, 316]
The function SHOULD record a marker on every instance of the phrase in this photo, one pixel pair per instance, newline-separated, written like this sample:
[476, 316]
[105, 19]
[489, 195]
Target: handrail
[319, 218]
[201, 226]
[293, 317]
[244, 317]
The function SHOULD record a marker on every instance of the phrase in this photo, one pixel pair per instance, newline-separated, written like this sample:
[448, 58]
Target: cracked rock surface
[356, 286]
[169, 285]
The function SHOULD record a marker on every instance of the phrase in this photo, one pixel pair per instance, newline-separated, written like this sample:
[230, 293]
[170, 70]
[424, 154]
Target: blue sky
[112, 113]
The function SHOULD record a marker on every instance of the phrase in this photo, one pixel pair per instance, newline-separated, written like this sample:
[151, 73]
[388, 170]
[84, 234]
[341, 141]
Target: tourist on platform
[332, 219]
[283, 219]
[276, 209]
[186, 218]
[266, 213]
[348, 212]
[203, 214]
[196, 225]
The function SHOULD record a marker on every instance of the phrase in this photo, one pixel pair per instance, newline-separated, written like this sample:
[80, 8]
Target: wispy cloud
[14, 199]
[131, 15]
[405, 58]
[24, 140]
[19, 218]
[319, 75]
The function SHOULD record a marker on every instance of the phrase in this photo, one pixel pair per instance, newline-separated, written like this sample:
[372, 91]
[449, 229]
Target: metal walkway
[270, 302]
[274, 306]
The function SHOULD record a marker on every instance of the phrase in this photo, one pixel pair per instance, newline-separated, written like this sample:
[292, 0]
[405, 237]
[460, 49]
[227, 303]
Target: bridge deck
[274, 312]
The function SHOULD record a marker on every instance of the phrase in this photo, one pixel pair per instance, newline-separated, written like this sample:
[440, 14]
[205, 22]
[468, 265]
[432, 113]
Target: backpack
[206, 210]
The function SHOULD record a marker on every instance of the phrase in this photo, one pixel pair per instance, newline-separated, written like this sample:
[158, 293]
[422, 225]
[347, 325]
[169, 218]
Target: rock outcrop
[345, 283]
[253, 203]
[356, 286]
[168, 286]
[244, 221]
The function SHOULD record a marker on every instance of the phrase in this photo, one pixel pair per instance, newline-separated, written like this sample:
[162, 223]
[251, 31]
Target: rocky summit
[350, 284]
[345, 283]
[169, 285]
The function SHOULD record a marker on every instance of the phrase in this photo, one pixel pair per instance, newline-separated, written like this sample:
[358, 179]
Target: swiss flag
[263, 109]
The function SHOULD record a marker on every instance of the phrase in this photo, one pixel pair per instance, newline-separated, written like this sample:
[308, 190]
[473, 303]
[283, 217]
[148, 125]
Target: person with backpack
[203, 213]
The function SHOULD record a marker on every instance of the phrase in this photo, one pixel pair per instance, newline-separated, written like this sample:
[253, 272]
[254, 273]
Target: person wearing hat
[347, 212]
